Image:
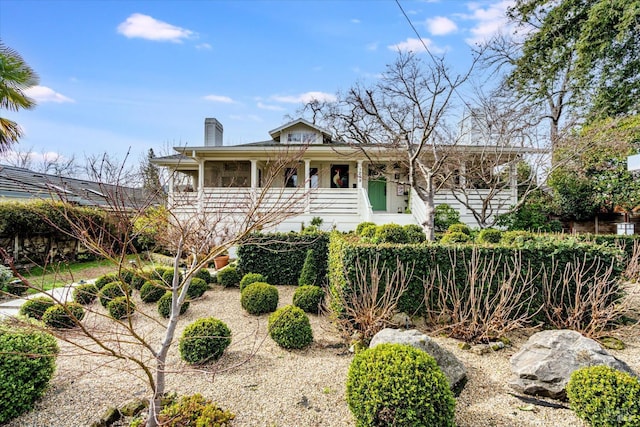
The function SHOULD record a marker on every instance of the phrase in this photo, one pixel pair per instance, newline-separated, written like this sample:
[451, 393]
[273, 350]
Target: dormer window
[302, 137]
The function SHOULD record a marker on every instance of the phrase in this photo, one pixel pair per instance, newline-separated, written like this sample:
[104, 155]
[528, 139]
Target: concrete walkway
[12, 307]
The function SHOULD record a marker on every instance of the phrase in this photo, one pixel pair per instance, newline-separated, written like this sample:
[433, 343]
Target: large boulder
[545, 362]
[452, 368]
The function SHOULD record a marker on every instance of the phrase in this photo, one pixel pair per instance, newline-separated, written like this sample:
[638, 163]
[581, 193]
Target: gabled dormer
[300, 131]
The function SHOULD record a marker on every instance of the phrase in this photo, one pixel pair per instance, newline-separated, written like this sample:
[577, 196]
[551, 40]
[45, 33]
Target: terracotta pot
[221, 261]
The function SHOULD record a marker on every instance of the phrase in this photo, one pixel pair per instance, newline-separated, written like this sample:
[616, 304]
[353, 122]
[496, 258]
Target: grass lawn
[61, 274]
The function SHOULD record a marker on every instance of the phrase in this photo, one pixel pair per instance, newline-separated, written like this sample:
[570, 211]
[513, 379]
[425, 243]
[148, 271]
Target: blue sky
[120, 75]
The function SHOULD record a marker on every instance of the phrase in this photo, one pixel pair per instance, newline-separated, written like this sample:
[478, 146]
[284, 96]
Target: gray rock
[401, 320]
[452, 368]
[544, 364]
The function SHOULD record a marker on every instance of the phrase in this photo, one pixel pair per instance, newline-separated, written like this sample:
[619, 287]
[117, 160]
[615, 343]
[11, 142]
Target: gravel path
[267, 386]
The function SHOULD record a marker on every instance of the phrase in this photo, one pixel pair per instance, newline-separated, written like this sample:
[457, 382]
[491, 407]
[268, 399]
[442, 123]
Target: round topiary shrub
[127, 276]
[289, 327]
[152, 291]
[35, 307]
[197, 288]
[390, 233]
[228, 277]
[167, 277]
[459, 228]
[121, 307]
[164, 305]
[113, 290]
[194, 410]
[455, 237]
[137, 281]
[259, 298]
[250, 278]
[603, 396]
[308, 298]
[105, 279]
[85, 294]
[489, 235]
[415, 233]
[63, 316]
[203, 274]
[360, 227]
[204, 341]
[395, 384]
[27, 365]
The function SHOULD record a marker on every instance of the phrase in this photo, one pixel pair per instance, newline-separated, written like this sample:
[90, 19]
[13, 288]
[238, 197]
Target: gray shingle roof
[23, 184]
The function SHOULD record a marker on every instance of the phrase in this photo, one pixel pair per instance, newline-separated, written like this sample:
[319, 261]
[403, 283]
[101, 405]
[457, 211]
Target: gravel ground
[265, 385]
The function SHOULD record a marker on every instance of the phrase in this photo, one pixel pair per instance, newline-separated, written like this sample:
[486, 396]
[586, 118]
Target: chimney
[212, 132]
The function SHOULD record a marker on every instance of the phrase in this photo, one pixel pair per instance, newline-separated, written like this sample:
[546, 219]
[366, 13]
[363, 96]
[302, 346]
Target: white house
[304, 173]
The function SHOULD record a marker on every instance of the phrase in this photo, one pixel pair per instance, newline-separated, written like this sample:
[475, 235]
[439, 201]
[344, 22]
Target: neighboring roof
[275, 133]
[24, 184]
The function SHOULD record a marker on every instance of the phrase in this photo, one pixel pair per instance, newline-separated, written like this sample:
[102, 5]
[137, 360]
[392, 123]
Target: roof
[24, 184]
[275, 133]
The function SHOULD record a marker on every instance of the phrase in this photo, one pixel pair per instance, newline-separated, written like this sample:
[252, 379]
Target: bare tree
[404, 114]
[196, 235]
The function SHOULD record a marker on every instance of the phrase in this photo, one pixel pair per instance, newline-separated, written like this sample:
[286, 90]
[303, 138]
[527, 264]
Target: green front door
[378, 194]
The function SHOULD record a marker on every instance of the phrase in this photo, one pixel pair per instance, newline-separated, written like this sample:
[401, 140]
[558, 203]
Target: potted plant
[221, 260]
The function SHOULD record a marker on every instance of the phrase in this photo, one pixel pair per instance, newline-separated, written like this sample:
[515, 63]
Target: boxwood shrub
[164, 305]
[390, 233]
[250, 278]
[203, 274]
[85, 294]
[105, 279]
[229, 276]
[63, 316]
[27, 365]
[197, 288]
[290, 328]
[121, 307]
[308, 298]
[152, 291]
[279, 257]
[399, 385]
[603, 396]
[489, 235]
[259, 298]
[35, 307]
[113, 290]
[204, 341]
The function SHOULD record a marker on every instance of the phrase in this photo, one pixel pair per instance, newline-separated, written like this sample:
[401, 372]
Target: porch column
[359, 175]
[307, 174]
[513, 177]
[172, 174]
[254, 173]
[463, 175]
[200, 185]
[307, 185]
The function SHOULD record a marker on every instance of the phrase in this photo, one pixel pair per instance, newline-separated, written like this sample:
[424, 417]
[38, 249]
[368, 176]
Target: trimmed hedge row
[279, 257]
[346, 251]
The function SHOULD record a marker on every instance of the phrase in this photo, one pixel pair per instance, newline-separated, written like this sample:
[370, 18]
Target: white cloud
[146, 27]
[416, 45]
[248, 117]
[305, 97]
[355, 21]
[440, 26]
[490, 20]
[45, 94]
[372, 46]
[270, 107]
[203, 46]
[219, 98]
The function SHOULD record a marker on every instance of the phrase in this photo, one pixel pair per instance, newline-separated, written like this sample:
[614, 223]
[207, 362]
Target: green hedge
[346, 251]
[279, 257]
[44, 217]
